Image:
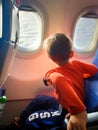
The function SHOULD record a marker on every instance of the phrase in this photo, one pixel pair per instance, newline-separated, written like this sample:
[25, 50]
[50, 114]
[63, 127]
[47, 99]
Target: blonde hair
[58, 47]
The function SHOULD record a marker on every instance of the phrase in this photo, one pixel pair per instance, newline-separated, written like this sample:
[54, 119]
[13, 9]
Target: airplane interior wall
[27, 73]
[25, 79]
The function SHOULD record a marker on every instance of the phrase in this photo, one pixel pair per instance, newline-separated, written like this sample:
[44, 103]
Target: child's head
[58, 47]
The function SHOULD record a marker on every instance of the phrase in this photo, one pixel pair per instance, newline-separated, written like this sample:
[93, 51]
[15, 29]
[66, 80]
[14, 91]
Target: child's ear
[71, 54]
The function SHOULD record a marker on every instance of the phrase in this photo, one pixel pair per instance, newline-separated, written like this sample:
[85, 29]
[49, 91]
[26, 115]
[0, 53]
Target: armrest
[92, 119]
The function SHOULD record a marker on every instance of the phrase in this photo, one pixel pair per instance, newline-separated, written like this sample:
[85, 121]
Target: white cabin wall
[65, 13]
[27, 73]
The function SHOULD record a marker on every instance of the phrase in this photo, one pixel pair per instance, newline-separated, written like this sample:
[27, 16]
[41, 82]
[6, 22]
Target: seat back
[91, 89]
[9, 27]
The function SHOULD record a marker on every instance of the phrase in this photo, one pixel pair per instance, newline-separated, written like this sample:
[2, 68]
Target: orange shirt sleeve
[65, 94]
[88, 69]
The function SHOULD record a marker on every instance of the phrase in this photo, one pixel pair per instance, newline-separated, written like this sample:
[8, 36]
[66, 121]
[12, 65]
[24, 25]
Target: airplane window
[30, 31]
[85, 35]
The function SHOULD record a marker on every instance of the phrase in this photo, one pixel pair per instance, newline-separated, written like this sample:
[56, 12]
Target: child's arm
[88, 69]
[66, 95]
[77, 122]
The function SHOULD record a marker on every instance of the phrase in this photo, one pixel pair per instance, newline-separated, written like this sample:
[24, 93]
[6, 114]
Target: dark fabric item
[11, 126]
[2, 127]
[14, 127]
[43, 112]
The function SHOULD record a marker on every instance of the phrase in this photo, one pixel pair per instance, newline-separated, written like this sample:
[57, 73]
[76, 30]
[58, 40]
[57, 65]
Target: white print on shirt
[43, 115]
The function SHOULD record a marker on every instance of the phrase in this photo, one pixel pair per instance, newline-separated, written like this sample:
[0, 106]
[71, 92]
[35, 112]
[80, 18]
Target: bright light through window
[30, 31]
[85, 35]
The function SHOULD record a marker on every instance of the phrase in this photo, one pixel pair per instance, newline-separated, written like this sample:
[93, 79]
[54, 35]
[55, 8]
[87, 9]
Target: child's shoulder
[76, 62]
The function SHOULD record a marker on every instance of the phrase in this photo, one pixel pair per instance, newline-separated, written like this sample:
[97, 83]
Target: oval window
[85, 35]
[30, 31]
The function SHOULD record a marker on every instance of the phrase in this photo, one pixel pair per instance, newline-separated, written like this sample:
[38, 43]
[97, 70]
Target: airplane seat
[91, 89]
[95, 60]
[8, 37]
[6, 57]
[91, 99]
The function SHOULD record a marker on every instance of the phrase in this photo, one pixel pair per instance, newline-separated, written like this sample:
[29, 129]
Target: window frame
[42, 13]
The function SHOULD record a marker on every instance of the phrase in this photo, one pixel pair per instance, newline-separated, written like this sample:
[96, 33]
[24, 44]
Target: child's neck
[62, 63]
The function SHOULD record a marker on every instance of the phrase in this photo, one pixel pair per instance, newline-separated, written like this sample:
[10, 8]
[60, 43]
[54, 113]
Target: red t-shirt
[68, 84]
